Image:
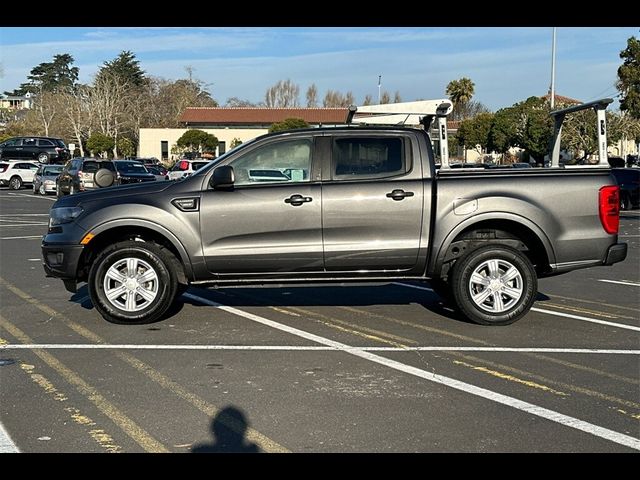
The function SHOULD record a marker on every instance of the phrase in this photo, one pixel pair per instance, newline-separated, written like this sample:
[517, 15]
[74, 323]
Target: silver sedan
[44, 180]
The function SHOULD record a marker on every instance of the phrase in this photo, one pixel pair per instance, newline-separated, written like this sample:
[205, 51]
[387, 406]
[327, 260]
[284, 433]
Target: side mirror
[104, 178]
[222, 178]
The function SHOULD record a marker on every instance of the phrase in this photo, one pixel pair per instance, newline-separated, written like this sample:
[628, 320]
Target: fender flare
[436, 263]
[137, 222]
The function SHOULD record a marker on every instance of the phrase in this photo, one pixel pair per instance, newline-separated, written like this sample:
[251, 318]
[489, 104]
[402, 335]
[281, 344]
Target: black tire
[59, 193]
[507, 306]
[443, 289]
[625, 202]
[43, 158]
[15, 183]
[72, 190]
[165, 283]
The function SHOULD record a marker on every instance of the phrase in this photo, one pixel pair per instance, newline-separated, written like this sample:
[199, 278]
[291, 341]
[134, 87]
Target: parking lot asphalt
[341, 368]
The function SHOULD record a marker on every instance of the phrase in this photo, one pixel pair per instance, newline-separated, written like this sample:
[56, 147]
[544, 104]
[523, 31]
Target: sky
[507, 65]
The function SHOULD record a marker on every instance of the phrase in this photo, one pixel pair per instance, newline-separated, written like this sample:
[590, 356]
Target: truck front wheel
[494, 285]
[133, 282]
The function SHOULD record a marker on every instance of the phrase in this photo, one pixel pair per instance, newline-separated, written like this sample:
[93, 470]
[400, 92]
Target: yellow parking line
[99, 435]
[585, 310]
[366, 332]
[541, 379]
[265, 443]
[139, 435]
[595, 371]
[596, 303]
[511, 378]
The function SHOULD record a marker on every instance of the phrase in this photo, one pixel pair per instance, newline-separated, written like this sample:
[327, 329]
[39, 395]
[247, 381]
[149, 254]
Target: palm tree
[460, 92]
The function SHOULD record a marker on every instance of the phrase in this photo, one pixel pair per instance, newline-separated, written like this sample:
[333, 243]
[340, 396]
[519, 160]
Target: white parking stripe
[20, 238]
[24, 225]
[532, 409]
[305, 348]
[32, 196]
[6, 444]
[551, 312]
[587, 319]
[24, 215]
[620, 282]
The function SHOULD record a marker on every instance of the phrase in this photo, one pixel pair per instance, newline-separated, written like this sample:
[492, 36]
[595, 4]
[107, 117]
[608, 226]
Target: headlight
[61, 215]
[49, 182]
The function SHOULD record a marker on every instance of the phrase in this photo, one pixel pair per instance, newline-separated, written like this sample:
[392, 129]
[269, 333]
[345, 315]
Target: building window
[222, 147]
[164, 149]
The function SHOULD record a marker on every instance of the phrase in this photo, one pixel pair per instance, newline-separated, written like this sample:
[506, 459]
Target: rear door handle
[297, 200]
[399, 194]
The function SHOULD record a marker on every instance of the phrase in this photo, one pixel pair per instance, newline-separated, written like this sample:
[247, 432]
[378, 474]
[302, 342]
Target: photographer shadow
[228, 427]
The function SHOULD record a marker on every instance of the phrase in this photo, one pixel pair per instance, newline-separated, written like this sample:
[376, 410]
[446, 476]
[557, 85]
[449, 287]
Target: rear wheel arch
[505, 231]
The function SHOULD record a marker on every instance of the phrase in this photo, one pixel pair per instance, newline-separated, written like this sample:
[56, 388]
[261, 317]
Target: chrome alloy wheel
[131, 284]
[496, 286]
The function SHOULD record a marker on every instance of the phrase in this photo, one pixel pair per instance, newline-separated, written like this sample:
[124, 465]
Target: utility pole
[553, 69]
[379, 85]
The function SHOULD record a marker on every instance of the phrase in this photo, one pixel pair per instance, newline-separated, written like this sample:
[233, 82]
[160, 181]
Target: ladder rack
[408, 113]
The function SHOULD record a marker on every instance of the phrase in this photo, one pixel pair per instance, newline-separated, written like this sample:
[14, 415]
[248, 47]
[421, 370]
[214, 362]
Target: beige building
[228, 124]
[13, 102]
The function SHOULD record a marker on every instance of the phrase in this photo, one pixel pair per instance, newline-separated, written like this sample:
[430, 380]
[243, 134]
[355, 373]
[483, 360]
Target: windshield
[52, 170]
[131, 167]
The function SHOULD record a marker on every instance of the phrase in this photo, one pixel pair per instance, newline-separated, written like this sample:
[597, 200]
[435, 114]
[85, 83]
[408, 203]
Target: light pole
[553, 69]
[379, 85]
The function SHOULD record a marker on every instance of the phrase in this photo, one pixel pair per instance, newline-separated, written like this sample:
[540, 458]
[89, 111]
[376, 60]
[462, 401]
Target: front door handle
[297, 200]
[399, 194]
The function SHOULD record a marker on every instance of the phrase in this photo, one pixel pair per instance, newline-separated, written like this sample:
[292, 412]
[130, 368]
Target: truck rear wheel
[494, 285]
[133, 282]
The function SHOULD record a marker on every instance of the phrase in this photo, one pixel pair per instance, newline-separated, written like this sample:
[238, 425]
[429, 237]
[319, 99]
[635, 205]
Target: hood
[113, 193]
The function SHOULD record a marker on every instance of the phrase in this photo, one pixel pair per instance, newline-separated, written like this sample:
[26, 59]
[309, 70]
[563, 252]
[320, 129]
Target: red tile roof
[261, 116]
[562, 99]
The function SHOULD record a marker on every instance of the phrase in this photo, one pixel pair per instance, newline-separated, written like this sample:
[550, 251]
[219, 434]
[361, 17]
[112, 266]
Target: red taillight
[609, 208]
[183, 165]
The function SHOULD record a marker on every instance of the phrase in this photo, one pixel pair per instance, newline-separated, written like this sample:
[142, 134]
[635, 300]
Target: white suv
[16, 173]
[184, 168]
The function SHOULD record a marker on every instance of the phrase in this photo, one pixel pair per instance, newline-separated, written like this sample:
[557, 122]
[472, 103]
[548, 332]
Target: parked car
[521, 165]
[78, 175]
[42, 149]
[130, 171]
[159, 171]
[629, 182]
[45, 178]
[185, 167]
[17, 173]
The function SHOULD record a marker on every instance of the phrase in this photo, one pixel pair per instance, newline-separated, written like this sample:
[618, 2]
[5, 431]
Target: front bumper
[61, 261]
[616, 253]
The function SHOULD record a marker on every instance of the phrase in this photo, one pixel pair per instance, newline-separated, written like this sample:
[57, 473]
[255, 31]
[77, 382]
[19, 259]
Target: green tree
[54, 76]
[502, 134]
[235, 142]
[629, 78]
[126, 147]
[198, 141]
[288, 124]
[126, 67]
[98, 143]
[475, 131]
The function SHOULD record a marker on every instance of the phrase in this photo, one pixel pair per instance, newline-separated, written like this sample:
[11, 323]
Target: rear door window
[356, 158]
[45, 143]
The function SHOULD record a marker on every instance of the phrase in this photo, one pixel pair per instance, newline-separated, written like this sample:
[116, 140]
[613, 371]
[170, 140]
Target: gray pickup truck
[342, 204]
